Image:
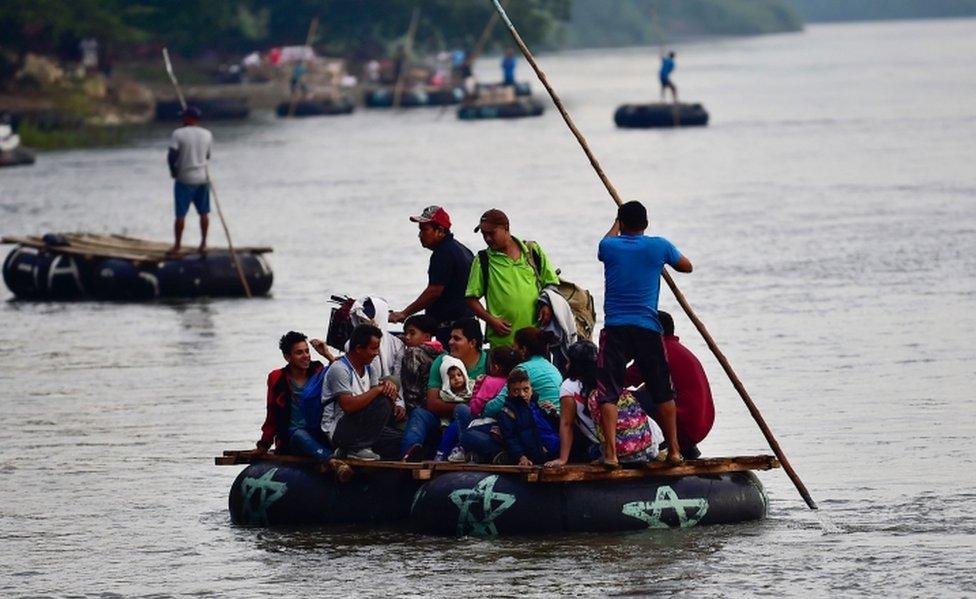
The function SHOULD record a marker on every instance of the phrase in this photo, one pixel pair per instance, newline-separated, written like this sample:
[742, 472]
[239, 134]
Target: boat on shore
[77, 266]
[442, 498]
[660, 114]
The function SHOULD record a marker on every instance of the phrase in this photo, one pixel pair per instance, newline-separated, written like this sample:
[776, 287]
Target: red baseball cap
[433, 214]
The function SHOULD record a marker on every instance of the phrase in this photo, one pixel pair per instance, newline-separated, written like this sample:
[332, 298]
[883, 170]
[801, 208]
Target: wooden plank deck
[91, 245]
[568, 473]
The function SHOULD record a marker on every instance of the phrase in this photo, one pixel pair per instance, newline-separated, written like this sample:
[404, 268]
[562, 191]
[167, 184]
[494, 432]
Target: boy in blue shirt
[664, 75]
[633, 263]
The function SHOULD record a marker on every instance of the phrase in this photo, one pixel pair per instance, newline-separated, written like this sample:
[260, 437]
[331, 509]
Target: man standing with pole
[189, 150]
[210, 186]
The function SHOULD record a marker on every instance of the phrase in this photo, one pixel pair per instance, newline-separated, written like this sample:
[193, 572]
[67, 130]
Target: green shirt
[513, 290]
[434, 380]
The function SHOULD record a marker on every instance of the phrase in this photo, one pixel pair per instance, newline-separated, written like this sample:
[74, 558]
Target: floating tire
[316, 108]
[645, 116]
[46, 274]
[526, 107]
[485, 504]
[218, 109]
[275, 494]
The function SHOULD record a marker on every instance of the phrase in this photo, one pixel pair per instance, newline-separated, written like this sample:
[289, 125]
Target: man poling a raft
[208, 181]
[713, 346]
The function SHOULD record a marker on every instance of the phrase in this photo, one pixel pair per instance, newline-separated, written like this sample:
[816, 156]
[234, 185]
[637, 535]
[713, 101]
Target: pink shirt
[485, 390]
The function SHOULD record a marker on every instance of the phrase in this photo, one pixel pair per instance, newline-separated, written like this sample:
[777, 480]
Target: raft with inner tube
[325, 107]
[644, 116]
[114, 267]
[487, 500]
[524, 107]
[382, 97]
[16, 157]
[213, 109]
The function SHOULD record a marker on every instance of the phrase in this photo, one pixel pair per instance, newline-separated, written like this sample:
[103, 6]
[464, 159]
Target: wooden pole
[757, 416]
[308, 42]
[213, 190]
[401, 76]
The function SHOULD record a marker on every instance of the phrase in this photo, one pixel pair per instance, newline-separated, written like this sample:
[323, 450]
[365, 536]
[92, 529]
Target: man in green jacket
[517, 272]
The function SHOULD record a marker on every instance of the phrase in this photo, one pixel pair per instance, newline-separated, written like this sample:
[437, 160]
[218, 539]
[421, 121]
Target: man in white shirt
[357, 414]
[189, 151]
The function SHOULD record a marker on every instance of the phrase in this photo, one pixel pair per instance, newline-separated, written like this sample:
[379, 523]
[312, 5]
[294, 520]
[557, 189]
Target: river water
[829, 208]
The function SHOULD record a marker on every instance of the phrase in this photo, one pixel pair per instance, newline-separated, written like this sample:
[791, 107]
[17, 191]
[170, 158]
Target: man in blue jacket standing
[632, 264]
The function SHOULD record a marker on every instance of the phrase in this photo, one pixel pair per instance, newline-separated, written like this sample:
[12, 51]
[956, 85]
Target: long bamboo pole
[312, 27]
[210, 182]
[736, 382]
[405, 66]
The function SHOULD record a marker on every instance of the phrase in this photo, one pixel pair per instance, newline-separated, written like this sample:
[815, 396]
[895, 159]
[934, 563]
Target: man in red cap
[447, 276]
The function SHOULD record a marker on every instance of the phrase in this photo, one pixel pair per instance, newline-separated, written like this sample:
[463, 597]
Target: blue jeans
[303, 442]
[422, 427]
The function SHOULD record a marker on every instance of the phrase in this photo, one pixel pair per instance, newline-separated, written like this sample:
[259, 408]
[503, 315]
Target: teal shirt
[545, 379]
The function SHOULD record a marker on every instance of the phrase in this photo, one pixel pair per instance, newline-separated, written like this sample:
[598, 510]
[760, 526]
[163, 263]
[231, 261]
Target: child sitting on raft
[420, 351]
[529, 434]
[455, 389]
[476, 433]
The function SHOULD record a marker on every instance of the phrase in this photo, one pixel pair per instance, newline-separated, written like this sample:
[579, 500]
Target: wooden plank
[115, 246]
[689, 468]
[568, 473]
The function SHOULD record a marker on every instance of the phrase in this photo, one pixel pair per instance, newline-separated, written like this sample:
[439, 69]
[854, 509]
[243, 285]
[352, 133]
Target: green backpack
[579, 298]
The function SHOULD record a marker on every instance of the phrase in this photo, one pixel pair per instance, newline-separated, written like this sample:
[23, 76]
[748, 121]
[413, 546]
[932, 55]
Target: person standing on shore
[189, 151]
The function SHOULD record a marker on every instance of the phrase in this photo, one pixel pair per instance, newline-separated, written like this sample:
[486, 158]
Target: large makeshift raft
[76, 266]
[487, 500]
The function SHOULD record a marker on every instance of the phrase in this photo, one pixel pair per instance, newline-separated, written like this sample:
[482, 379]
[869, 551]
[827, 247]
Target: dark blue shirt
[632, 266]
[450, 265]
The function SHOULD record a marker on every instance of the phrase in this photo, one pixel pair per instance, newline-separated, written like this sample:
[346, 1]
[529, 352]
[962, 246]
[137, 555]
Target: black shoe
[414, 454]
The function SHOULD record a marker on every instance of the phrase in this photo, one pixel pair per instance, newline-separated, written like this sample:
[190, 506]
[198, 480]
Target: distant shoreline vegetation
[602, 23]
[874, 10]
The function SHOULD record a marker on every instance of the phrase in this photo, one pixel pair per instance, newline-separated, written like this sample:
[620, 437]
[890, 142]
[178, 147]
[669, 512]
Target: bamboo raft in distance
[346, 468]
[92, 245]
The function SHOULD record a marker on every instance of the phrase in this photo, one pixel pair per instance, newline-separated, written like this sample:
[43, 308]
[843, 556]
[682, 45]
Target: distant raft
[324, 107]
[520, 108]
[383, 97]
[213, 109]
[521, 88]
[118, 268]
[645, 116]
[16, 157]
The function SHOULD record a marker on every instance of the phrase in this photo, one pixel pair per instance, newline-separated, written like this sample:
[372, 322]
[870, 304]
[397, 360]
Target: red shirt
[693, 397]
